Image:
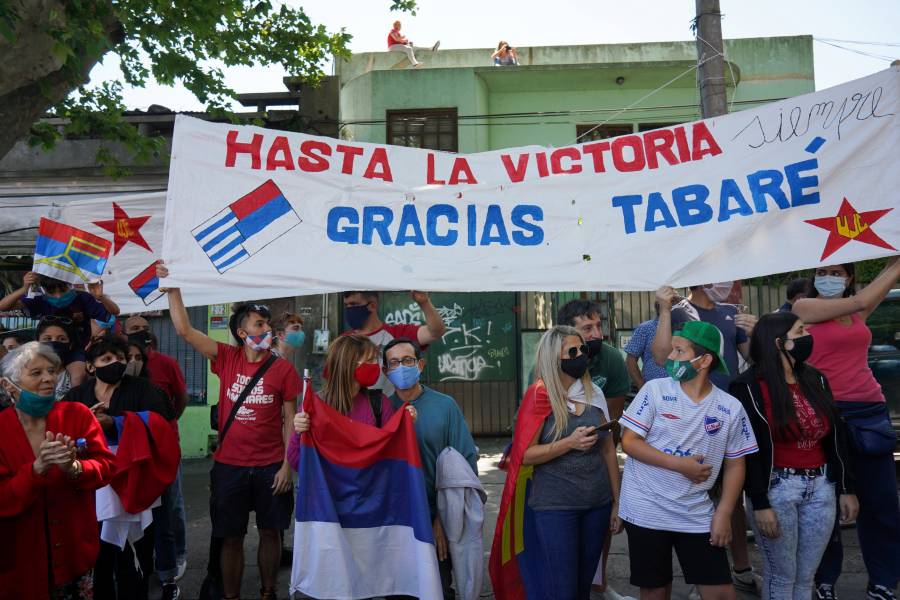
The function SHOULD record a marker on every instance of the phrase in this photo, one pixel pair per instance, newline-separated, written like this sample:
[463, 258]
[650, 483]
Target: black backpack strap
[244, 393]
[375, 402]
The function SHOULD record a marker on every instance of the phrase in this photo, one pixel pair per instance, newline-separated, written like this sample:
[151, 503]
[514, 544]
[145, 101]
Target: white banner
[134, 225]
[256, 213]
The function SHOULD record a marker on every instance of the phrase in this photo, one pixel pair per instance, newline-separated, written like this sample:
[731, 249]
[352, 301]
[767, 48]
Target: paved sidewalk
[196, 494]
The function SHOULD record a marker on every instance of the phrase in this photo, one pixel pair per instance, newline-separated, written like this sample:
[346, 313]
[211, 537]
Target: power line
[895, 44]
[855, 51]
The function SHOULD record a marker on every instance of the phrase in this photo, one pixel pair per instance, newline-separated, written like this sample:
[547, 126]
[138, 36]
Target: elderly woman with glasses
[53, 456]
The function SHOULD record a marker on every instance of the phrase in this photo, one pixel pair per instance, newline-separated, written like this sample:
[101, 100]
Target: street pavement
[196, 494]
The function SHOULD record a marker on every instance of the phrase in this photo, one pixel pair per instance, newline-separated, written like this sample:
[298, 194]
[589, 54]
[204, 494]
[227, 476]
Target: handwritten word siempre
[628, 153]
[442, 225]
[694, 205]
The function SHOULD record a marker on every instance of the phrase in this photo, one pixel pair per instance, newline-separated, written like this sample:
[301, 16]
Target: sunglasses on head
[574, 350]
[50, 320]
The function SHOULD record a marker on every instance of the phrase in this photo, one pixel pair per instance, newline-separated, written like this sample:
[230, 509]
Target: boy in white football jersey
[679, 432]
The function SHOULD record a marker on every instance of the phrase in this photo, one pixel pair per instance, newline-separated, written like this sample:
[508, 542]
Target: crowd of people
[774, 422]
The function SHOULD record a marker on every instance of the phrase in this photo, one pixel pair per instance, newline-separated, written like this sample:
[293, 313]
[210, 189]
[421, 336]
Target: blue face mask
[295, 339]
[34, 405]
[830, 286]
[403, 377]
[60, 301]
[355, 316]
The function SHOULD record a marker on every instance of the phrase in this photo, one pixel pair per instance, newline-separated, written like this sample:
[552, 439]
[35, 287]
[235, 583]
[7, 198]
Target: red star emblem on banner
[848, 225]
[125, 229]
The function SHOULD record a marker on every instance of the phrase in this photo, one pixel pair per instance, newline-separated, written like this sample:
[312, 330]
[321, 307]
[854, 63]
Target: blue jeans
[572, 541]
[805, 508]
[166, 520]
[878, 523]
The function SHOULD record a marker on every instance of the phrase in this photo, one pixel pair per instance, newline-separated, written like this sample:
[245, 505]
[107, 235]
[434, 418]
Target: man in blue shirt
[640, 346]
[439, 424]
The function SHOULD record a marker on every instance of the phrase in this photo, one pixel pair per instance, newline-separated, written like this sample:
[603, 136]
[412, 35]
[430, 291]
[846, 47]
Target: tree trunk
[32, 79]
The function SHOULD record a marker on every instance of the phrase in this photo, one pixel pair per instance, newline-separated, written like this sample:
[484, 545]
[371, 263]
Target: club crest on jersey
[712, 425]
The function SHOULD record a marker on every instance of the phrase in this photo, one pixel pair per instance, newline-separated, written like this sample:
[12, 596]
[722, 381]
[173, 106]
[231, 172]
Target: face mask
[802, 349]
[404, 377]
[367, 374]
[830, 286]
[260, 343]
[111, 373]
[33, 404]
[60, 348]
[134, 368]
[142, 338]
[106, 325]
[575, 367]
[295, 339]
[682, 370]
[61, 301]
[356, 316]
[595, 347]
[719, 292]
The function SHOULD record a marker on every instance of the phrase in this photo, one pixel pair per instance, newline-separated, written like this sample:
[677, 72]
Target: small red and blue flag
[246, 226]
[146, 285]
[68, 253]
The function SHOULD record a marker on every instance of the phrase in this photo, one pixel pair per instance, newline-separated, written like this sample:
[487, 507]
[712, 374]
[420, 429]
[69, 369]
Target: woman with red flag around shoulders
[548, 542]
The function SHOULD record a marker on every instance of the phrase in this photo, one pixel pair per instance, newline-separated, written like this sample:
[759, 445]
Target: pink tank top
[842, 354]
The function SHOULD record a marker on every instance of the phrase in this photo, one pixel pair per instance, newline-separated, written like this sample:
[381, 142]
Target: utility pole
[711, 72]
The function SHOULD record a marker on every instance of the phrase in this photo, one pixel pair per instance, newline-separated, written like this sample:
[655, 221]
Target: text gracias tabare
[519, 225]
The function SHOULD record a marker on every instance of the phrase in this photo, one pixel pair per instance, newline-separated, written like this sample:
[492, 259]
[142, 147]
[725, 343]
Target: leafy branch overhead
[50, 46]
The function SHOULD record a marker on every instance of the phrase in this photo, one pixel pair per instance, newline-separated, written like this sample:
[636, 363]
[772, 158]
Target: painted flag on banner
[246, 226]
[363, 528]
[68, 253]
[134, 224]
[146, 285]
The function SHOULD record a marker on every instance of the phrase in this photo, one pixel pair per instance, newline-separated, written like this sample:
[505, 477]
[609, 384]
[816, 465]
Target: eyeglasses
[575, 350]
[406, 361]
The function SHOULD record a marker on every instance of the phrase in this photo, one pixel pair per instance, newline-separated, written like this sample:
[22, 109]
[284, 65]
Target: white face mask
[719, 292]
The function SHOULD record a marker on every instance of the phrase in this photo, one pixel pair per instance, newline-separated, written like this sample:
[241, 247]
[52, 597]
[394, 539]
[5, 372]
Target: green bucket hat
[707, 336]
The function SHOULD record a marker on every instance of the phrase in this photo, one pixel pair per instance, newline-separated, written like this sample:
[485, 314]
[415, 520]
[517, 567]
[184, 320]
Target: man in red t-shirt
[361, 316]
[251, 471]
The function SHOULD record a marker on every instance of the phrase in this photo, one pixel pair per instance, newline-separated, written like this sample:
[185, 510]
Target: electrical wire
[822, 39]
[855, 51]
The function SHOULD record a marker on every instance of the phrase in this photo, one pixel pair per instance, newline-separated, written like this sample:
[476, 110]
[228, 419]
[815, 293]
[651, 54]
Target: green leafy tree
[48, 48]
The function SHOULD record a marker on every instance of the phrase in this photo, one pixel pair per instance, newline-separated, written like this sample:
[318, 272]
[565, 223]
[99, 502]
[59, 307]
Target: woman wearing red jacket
[53, 456]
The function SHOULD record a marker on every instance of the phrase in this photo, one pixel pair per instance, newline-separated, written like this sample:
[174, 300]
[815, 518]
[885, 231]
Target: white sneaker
[693, 594]
[182, 567]
[611, 594]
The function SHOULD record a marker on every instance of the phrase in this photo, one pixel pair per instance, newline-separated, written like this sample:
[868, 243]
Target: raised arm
[634, 371]
[818, 310]
[14, 299]
[434, 326]
[201, 342]
[662, 343]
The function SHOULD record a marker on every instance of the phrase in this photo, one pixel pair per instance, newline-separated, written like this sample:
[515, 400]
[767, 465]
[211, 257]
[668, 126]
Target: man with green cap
[679, 433]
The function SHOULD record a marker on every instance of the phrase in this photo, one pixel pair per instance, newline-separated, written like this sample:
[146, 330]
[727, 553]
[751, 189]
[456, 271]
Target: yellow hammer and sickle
[122, 229]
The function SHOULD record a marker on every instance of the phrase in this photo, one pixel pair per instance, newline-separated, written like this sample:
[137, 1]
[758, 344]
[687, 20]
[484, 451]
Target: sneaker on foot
[693, 594]
[879, 592]
[747, 581]
[418, 64]
[437, 45]
[825, 591]
[170, 591]
[181, 565]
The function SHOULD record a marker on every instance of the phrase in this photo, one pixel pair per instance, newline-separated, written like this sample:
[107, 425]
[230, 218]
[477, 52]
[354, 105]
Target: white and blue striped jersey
[716, 428]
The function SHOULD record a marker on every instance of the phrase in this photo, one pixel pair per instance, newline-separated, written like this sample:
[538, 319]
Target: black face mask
[140, 337]
[803, 347]
[111, 373]
[575, 367]
[594, 348]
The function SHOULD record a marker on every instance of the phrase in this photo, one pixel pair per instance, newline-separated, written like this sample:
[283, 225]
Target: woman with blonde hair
[562, 433]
